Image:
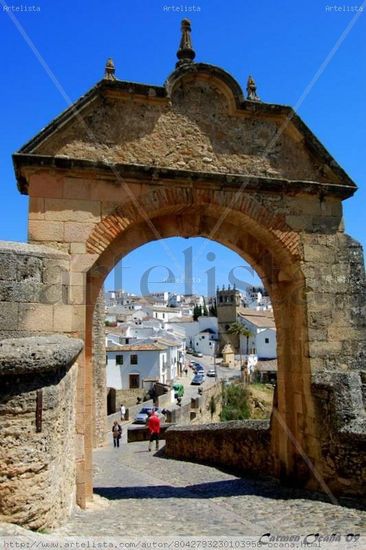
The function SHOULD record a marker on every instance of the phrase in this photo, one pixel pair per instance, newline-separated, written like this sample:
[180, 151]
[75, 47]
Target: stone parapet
[340, 399]
[37, 355]
[37, 426]
[243, 445]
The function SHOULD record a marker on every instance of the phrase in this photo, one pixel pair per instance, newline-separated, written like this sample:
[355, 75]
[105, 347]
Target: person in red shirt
[153, 425]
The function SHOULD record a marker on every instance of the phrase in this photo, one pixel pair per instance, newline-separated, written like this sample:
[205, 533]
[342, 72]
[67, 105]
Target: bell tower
[228, 303]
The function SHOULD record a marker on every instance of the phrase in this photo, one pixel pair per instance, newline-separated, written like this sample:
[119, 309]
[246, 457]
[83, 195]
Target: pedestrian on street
[117, 433]
[186, 371]
[154, 429]
[123, 412]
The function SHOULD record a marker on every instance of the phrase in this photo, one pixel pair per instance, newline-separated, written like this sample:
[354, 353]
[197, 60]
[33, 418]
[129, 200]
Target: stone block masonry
[99, 373]
[37, 429]
[33, 285]
[41, 419]
[242, 445]
[340, 401]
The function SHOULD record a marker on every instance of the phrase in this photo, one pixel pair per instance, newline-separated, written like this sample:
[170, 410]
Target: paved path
[133, 485]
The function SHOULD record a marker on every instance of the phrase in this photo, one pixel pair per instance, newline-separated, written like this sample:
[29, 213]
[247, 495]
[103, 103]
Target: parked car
[211, 372]
[143, 415]
[199, 369]
[189, 350]
[197, 354]
[198, 379]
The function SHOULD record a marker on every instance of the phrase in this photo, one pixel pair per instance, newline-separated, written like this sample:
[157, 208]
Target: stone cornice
[162, 176]
[37, 354]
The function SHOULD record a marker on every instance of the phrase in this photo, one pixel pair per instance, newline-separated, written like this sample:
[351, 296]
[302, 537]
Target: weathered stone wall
[33, 290]
[336, 308]
[37, 429]
[186, 133]
[336, 302]
[129, 396]
[99, 372]
[40, 296]
[340, 402]
[244, 445]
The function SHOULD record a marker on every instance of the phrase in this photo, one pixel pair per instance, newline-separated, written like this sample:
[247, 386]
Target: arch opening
[276, 262]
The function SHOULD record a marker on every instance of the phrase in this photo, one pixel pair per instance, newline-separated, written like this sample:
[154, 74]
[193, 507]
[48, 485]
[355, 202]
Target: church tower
[227, 303]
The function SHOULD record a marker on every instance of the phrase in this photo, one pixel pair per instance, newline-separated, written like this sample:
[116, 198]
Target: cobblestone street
[144, 494]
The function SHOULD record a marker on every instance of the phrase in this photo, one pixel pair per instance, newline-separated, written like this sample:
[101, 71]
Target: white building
[166, 313]
[116, 312]
[263, 341]
[189, 330]
[205, 342]
[128, 333]
[255, 298]
[139, 365]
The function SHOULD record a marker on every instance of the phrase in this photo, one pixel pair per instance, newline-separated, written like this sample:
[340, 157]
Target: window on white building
[133, 359]
[266, 340]
[119, 359]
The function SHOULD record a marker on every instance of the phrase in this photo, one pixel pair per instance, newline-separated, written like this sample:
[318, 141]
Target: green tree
[235, 403]
[239, 329]
[213, 309]
[204, 309]
[197, 312]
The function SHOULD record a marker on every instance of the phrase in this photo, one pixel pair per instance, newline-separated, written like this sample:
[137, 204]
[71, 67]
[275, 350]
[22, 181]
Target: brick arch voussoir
[162, 201]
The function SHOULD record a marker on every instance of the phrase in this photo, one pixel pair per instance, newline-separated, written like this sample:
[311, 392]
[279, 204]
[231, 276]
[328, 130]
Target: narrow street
[144, 494]
[208, 363]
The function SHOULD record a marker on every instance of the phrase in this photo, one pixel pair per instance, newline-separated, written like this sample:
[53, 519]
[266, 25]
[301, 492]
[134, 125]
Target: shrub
[235, 403]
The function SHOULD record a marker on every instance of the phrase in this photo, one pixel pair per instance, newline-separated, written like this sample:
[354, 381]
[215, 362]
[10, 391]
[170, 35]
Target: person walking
[117, 433]
[153, 425]
[123, 412]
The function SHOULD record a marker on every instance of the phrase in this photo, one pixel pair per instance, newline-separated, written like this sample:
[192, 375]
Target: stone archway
[130, 163]
[267, 244]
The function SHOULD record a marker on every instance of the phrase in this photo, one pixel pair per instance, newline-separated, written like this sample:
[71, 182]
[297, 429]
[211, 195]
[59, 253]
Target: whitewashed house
[205, 342]
[176, 353]
[263, 341]
[186, 328]
[139, 365]
[166, 313]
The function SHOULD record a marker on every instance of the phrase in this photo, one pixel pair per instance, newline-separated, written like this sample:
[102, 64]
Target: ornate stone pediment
[198, 122]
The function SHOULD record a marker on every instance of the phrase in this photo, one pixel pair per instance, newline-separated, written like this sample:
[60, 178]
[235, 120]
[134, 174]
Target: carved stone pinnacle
[109, 73]
[185, 53]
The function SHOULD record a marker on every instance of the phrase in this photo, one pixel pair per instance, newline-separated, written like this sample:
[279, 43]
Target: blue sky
[281, 42]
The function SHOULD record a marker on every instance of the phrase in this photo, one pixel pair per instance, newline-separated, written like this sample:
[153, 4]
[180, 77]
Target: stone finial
[185, 54]
[109, 73]
[252, 89]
